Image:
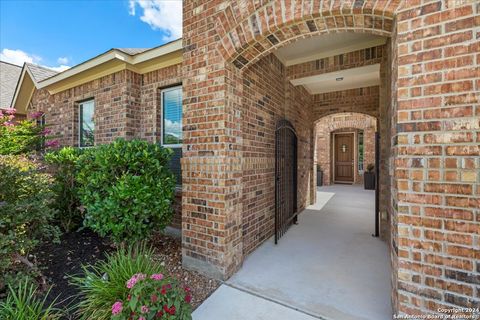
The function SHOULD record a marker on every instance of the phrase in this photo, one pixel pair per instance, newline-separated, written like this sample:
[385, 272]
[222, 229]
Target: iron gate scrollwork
[285, 177]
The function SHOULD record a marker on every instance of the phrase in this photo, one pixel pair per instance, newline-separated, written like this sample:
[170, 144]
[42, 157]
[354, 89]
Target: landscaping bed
[118, 266]
[169, 250]
[59, 261]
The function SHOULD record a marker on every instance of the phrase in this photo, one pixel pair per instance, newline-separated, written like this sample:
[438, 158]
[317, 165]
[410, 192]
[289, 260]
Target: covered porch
[328, 266]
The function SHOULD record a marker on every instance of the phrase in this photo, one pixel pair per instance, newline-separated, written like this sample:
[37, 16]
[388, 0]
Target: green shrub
[105, 283]
[18, 137]
[23, 303]
[126, 188]
[25, 213]
[67, 202]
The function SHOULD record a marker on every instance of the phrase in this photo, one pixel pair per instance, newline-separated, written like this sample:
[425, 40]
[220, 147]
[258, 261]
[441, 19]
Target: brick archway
[250, 31]
[433, 163]
[348, 121]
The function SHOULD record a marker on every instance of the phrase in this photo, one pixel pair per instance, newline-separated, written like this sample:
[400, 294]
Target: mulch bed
[169, 251]
[59, 261]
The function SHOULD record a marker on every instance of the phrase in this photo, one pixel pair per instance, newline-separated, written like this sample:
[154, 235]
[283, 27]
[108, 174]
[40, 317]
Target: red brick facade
[428, 79]
[235, 90]
[437, 160]
[127, 105]
[267, 98]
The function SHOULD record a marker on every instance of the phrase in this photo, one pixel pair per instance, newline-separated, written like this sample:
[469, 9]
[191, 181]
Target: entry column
[211, 164]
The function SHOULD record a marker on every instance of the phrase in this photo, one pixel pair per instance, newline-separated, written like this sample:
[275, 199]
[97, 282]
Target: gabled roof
[140, 60]
[40, 73]
[125, 55]
[9, 74]
[132, 51]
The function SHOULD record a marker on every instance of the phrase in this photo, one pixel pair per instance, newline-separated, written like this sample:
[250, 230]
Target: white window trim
[80, 124]
[173, 146]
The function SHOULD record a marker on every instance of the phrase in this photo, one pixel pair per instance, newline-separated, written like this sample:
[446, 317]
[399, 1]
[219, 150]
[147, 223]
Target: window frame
[80, 124]
[42, 122]
[360, 162]
[162, 117]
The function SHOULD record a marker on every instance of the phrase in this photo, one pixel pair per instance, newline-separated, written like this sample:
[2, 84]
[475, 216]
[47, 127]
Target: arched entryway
[230, 111]
[246, 103]
[361, 129]
[275, 88]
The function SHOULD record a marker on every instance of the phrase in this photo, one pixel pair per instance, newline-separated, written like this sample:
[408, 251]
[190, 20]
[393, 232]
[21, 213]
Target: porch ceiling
[341, 80]
[326, 45]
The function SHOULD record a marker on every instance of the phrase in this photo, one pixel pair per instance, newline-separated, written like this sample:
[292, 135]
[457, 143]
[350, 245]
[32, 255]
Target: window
[360, 151]
[171, 136]
[41, 122]
[86, 124]
[172, 117]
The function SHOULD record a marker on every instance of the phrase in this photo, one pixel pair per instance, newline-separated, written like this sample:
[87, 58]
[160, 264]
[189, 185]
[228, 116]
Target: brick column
[437, 166]
[211, 164]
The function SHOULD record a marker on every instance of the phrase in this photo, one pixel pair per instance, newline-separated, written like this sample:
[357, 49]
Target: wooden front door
[344, 158]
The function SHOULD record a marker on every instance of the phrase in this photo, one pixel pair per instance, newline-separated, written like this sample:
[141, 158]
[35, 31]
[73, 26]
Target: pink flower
[46, 132]
[134, 279]
[117, 307]
[52, 143]
[10, 111]
[36, 115]
[157, 276]
[188, 298]
[8, 124]
[144, 309]
[141, 318]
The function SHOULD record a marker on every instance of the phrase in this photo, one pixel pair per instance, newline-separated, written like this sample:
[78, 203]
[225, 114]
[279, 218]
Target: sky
[59, 34]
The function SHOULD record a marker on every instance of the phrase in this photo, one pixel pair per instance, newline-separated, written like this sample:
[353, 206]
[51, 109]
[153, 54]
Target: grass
[103, 284]
[23, 303]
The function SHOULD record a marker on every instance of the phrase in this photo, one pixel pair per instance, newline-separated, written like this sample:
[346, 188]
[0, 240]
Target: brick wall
[437, 166]
[247, 31]
[117, 101]
[127, 105]
[150, 105]
[351, 122]
[354, 59]
[363, 100]
[434, 154]
[221, 40]
[150, 126]
[267, 98]
[212, 151]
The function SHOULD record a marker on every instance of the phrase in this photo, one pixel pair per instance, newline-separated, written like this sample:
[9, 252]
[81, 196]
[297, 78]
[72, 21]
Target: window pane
[360, 151]
[87, 126]
[175, 165]
[172, 116]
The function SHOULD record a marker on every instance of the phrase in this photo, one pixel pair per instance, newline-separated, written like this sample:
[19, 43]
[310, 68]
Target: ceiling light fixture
[339, 79]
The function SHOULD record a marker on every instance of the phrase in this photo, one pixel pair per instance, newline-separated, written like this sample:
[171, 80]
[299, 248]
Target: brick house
[242, 67]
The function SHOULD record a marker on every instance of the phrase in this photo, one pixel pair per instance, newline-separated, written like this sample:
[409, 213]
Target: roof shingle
[132, 51]
[40, 73]
[9, 74]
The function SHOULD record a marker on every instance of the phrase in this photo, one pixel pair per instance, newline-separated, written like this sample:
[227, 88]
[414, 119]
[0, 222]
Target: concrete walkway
[326, 267]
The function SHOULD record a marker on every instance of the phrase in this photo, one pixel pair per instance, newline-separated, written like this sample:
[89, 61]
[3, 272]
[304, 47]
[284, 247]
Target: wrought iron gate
[285, 178]
[377, 185]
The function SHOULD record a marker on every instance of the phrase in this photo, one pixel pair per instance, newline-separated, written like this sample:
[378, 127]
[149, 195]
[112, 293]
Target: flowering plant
[153, 297]
[18, 137]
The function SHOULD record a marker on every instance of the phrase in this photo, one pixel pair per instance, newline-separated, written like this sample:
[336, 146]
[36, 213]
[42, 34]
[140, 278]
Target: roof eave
[110, 55]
